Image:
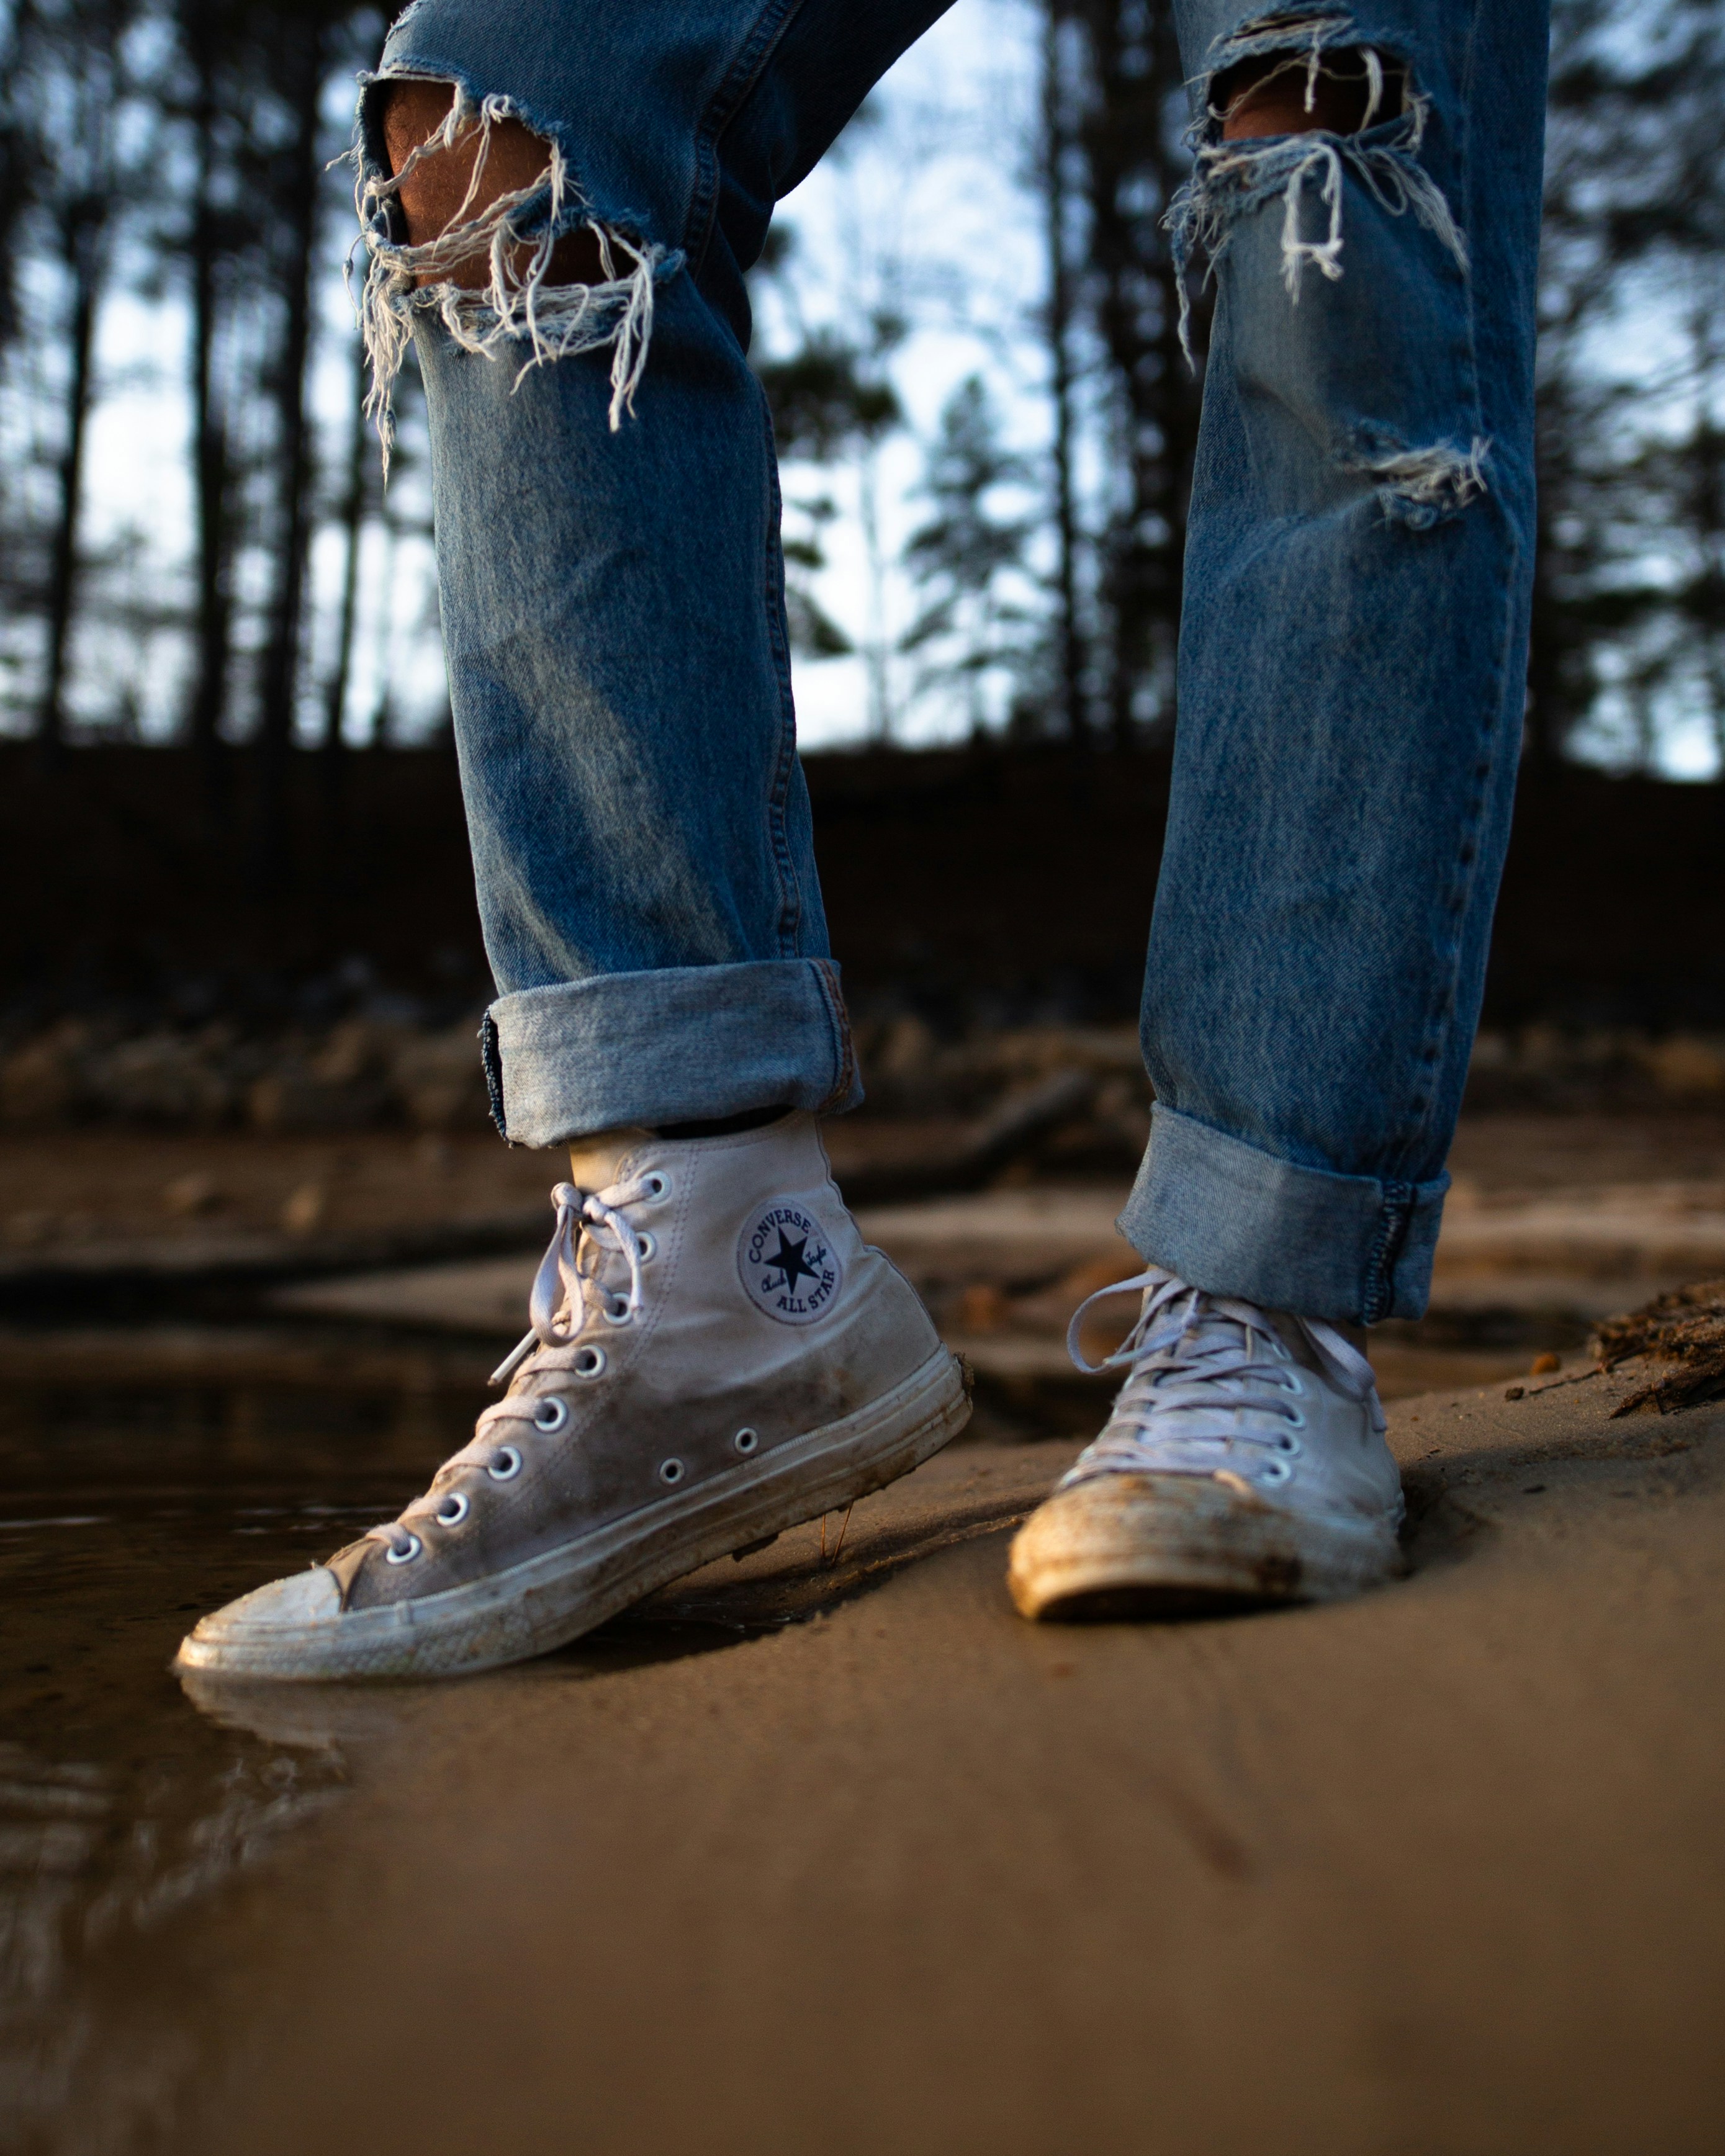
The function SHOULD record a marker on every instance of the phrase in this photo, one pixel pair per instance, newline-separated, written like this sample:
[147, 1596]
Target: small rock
[304, 1209]
[982, 1308]
[188, 1195]
[42, 1082]
[1515, 1392]
[159, 1078]
[1685, 1068]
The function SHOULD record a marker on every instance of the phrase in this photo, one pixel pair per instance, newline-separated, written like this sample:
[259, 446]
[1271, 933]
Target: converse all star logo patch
[789, 1269]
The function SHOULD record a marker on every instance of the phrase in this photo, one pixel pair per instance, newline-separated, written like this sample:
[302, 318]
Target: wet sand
[837, 1853]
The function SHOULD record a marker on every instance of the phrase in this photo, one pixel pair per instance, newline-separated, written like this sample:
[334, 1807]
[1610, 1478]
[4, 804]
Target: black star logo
[788, 1258]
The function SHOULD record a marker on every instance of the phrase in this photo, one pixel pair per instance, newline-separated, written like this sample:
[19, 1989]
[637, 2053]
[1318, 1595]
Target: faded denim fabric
[1353, 652]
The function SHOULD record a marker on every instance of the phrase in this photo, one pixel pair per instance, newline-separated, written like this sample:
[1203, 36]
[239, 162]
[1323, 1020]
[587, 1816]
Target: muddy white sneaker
[1244, 1461]
[715, 1355]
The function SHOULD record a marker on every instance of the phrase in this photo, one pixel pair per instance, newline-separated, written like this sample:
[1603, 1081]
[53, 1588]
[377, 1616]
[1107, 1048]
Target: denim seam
[1394, 1218]
[738, 80]
[491, 1057]
[844, 1045]
[790, 906]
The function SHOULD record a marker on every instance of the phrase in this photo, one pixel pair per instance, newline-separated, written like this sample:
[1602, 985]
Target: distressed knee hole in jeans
[518, 313]
[1307, 169]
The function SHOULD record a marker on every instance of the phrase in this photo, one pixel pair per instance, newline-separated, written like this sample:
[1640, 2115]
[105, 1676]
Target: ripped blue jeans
[1351, 654]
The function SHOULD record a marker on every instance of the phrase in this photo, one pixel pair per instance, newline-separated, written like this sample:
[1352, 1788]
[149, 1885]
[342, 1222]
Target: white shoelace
[1211, 1386]
[590, 1228]
[587, 1221]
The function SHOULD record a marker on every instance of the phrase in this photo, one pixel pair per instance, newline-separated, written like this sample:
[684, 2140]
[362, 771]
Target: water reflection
[124, 1803]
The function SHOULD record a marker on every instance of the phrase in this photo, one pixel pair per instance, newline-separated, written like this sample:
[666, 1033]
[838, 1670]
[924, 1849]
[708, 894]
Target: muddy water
[122, 1517]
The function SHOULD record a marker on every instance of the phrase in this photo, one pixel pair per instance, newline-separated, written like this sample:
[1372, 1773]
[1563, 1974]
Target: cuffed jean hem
[1233, 1220]
[679, 1044]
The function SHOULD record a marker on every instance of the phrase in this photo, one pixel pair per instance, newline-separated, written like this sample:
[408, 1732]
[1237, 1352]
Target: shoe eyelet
[1288, 1443]
[454, 1509]
[746, 1440]
[671, 1472]
[505, 1466]
[589, 1362]
[646, 1248]
[405, 1556]
[1275, 1470]
[1296, 1420]
[619, 1312]
[657, 1186]
[550, 1414]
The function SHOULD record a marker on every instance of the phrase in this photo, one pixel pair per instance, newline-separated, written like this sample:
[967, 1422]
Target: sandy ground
[1438, 1871]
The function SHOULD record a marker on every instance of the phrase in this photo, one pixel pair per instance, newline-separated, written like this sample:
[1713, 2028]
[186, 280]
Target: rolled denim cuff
[1235, 1220]
[679, 1044]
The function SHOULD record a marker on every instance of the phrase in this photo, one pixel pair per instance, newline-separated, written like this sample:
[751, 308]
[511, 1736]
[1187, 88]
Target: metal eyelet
[506, 1465]
[1275, 1470]
[408, 1555]
[646, 1249]
[746, 1440]
[589, 1362]
[657, 1186]
[454, 1509]
[619, 1312]
[550, 1414]
[1288, 1443]
[670, 1472]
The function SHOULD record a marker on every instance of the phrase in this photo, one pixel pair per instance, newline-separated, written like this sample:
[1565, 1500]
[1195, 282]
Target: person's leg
[607, 528]
[1351, 661]
[1352, 653]
[715, 1355]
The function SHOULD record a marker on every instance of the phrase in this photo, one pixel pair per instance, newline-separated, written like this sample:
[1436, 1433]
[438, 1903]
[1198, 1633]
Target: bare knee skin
[1268, 96]
[432, 193]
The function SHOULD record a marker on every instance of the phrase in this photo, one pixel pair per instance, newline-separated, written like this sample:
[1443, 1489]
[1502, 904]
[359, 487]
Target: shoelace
[590, 1224]
[589, 1219]
[1210, 1373]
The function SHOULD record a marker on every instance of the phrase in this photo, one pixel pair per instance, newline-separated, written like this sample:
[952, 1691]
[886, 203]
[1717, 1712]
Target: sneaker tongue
[592, 1161]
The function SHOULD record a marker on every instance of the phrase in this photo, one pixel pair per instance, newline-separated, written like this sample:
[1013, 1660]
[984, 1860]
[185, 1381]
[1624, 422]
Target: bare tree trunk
[19, 158]
[1132, 165]
[82, 237]
[875, 646]
[212, 461]
[353, 509]
[281, 663]
[1055, 144]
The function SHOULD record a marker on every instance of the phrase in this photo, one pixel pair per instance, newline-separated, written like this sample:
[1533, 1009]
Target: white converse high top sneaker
[1244, 1461]
[715, 1355]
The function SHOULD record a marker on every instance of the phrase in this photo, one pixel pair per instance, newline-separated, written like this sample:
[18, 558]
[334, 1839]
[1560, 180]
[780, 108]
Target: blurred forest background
[229, 795]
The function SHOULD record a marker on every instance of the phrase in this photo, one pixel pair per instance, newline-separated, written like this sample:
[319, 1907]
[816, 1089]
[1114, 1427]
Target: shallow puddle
[122, 1517]
[126, 1798]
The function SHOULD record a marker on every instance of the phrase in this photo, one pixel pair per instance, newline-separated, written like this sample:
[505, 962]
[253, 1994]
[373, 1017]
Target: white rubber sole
[1148, 1545]
[554, 1597]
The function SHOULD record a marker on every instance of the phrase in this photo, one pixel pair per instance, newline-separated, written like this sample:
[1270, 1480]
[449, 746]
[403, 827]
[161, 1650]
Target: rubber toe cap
[307, 1598]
